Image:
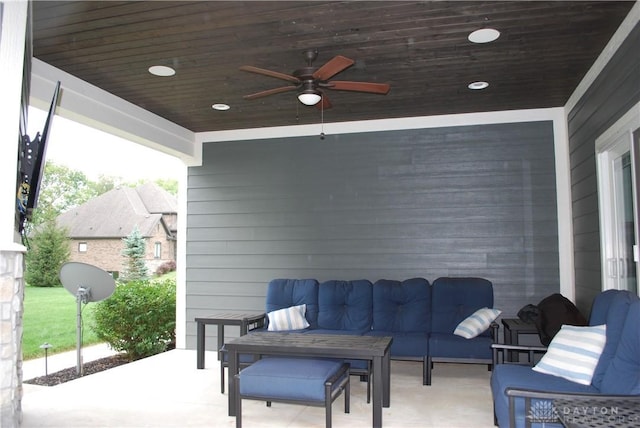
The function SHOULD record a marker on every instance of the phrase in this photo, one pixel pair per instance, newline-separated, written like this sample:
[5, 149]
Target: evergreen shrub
[49, 251]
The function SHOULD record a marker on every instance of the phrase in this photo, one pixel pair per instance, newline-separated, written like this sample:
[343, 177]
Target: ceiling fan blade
[373, 88]
[264, 72]
[332, 67]
[324, 103]
[270, 92]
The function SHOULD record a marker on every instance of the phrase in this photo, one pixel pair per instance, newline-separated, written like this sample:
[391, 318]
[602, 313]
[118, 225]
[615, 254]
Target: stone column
[11, 307]
[13, 32]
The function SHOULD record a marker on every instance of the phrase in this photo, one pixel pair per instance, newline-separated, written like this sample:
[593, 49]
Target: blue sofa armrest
[499, 350]
[572, 404]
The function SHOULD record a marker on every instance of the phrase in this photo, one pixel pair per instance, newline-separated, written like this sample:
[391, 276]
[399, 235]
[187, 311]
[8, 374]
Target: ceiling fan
[310, 82]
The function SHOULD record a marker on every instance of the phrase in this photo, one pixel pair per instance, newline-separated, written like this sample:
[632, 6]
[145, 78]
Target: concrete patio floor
[167, 390]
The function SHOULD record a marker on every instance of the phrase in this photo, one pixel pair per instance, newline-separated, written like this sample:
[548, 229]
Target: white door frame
[619, 133]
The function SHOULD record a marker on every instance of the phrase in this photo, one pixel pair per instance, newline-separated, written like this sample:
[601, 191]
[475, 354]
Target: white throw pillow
[291, 318]
[574, 352]
[476, 323]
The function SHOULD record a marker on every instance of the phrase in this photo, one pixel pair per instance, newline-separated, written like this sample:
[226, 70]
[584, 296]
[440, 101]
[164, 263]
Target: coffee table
[372, 348]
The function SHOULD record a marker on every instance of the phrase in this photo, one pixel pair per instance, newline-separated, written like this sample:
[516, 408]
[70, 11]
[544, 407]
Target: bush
[139, 318]
[166, 267]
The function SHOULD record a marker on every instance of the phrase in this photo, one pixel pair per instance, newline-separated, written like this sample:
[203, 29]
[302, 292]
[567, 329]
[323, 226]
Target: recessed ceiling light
[484, 35]
[161, 70]
[220, 106]
[478, 85]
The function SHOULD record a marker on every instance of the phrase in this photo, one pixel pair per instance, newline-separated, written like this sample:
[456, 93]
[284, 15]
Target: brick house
[96, 228]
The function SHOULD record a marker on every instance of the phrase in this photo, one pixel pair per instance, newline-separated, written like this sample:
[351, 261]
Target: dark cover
[554, 311]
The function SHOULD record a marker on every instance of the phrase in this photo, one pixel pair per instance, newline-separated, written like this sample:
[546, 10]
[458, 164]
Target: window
[157, 251]
[82, 247]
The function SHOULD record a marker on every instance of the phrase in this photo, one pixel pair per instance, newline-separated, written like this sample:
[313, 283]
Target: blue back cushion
[345, 305]
[609, 307]
[600, 307]
[623, 373]
[402, 306]
[283, 293]
[454, 299]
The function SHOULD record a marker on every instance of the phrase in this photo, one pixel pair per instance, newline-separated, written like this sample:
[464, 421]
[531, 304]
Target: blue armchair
[523, 397]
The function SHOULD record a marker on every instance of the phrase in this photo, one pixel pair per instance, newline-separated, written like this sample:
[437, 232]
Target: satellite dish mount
[74, 277]
[83, 294]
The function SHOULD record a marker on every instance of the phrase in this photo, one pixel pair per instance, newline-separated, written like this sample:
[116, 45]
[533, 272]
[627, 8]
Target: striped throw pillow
[476, 323]
[573, 353]
[291, 318]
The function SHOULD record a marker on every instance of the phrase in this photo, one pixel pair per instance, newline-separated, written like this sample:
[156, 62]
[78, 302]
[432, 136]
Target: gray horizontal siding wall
[463, 201]
[611, 95]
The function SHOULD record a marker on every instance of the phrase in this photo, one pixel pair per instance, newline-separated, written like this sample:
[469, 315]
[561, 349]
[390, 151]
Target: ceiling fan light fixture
[220, 106]
[309, 97]
[484, 35]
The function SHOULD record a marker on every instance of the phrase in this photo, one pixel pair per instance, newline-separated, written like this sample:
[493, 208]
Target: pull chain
[322, 116]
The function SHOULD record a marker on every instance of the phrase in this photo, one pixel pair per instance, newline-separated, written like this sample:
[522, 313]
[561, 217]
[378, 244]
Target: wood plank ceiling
[420, 48]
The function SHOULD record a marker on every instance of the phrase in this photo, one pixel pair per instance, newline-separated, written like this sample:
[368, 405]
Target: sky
[96, 153]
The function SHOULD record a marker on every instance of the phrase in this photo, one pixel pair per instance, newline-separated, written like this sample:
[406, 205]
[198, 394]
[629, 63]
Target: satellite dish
[89, 284]
[96, 283]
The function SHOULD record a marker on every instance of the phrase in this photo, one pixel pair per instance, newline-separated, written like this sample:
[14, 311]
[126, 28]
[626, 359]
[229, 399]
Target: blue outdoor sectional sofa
[525, 397]
[421, 317]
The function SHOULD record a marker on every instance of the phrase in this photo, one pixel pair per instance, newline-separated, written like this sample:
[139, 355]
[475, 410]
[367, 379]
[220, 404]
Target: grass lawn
[50, 316]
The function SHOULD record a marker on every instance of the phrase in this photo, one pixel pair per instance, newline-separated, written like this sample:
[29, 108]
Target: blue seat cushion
[522, 377]
[284, 293]
[345, 305]
[452, 346]
[411, 344]
[402, 306]
[288, 378]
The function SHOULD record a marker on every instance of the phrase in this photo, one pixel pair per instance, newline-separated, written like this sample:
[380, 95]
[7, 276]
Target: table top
[224, 317]
[518, 324]
[620, 412]
[330, 345]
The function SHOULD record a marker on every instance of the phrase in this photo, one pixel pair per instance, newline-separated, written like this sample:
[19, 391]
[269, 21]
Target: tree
[104, 184]
[49, 250]
[134, 252]
[170, 185]
[62, 189]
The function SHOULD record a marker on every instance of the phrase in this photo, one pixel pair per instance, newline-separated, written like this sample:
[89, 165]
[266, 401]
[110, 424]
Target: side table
[513, 328]
[221, 319]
